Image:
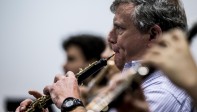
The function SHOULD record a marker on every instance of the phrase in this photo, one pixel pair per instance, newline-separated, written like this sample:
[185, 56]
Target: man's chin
[119, 61]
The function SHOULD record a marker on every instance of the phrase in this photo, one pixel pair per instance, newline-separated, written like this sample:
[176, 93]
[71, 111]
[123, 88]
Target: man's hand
[64, 86]
[24, 104]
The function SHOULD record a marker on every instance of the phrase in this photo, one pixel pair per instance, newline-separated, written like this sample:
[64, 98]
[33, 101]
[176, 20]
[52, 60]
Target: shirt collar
[132, 64]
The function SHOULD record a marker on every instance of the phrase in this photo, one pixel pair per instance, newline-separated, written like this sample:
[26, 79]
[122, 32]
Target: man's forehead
[123, 11]
[124, 8]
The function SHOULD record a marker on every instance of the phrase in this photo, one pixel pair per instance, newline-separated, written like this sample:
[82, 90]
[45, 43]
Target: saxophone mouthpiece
[110, 56]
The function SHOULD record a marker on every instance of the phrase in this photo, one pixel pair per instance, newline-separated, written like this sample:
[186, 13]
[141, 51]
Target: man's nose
[111, 37]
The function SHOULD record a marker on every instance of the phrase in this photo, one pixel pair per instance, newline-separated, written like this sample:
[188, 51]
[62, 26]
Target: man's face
[126, 41]
[75, 59]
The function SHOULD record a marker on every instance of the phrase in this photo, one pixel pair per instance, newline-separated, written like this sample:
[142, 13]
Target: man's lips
[115, 49]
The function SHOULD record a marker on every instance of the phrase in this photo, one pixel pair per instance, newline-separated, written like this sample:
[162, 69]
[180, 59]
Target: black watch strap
[70, 103]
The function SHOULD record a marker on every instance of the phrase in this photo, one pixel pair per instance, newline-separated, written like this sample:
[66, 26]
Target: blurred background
[31, 34]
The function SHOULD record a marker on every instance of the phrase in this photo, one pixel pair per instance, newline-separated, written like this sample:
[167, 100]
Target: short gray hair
[167, 14]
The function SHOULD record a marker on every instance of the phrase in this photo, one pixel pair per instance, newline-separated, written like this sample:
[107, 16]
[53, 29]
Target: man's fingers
[180, 36]
[171, 37]
[178, 33]
[24, 104]
[70, 74]
[152, 60]
[36, 94]
[164, 41]
[152, 54]
[18, 109]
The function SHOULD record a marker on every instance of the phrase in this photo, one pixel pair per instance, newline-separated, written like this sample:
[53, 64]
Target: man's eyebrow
[116, 24]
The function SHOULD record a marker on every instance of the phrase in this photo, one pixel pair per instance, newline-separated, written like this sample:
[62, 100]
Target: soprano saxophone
[45, 101]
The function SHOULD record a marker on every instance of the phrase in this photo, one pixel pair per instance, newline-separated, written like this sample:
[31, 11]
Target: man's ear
[155, 32]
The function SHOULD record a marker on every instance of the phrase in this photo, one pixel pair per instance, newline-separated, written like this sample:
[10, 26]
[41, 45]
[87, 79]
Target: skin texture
[64, 86]
[126, 41]
[59, 89]
[172, 55]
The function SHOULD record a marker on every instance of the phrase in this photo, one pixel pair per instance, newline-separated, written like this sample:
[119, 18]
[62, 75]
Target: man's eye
[119, 30]
[71, 59]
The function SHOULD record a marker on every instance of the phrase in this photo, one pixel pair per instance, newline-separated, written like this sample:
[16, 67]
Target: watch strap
[75, 103]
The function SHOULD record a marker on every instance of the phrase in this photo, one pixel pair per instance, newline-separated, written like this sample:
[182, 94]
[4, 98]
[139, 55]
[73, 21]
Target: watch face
[69, 103]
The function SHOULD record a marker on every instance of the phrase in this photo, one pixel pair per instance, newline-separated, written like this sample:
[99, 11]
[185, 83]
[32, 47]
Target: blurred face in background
[75, 59]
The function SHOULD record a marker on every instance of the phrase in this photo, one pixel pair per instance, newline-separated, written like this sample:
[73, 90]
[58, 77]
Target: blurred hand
[24, 104]
[172, 55]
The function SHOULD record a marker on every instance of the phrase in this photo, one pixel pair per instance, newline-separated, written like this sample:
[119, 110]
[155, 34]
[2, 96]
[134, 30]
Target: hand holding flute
[64, 86]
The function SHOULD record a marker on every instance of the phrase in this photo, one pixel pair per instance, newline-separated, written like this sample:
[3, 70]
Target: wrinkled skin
[125, 39]
[59, 89]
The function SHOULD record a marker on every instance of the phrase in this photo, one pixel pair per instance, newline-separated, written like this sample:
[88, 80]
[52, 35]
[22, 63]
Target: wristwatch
[70, 103]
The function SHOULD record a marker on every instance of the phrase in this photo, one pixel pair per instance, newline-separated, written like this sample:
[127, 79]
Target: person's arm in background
[172, 55]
